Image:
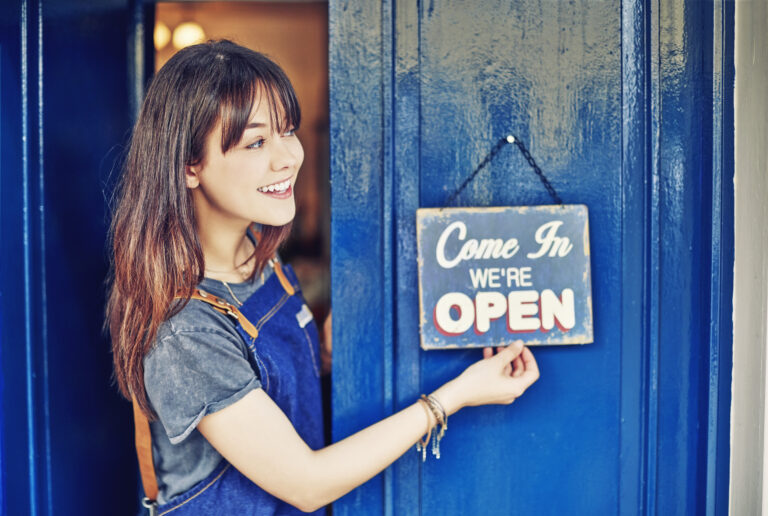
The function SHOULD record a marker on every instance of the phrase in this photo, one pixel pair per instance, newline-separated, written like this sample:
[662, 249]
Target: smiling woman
[212, 339]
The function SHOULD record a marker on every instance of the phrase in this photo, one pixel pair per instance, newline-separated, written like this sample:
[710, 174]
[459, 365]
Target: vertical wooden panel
[550, 73]
[362, 344]
[636, 159]
[685, 172]
[721, 258]
[65, 94]
[87, 124]
[407, 177]
[20, 451]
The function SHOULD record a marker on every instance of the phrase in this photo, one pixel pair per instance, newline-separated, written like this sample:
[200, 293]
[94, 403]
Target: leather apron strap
[144, 452]
[141, 423]
[281, 276]
[227, 308]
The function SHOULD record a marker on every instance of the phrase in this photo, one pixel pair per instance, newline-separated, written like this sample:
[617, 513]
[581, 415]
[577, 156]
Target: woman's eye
[290, 132]
[257, 144]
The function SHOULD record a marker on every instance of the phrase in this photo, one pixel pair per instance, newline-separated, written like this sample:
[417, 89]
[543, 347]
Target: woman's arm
[256, 437]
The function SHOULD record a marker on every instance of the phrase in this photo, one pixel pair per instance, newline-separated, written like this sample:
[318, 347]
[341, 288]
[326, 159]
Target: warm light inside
[162, 35]
[188, 33]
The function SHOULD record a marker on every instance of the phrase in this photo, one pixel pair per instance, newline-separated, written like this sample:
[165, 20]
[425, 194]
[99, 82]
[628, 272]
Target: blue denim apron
[287, 355]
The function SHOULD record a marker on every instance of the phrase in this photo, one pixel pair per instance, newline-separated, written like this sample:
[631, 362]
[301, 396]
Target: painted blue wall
[66, 436]
[626, 108]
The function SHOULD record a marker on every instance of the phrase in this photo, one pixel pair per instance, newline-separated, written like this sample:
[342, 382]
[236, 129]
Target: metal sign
[488, 276]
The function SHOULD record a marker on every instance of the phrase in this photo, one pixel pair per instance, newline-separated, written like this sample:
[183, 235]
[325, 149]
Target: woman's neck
[226, 251]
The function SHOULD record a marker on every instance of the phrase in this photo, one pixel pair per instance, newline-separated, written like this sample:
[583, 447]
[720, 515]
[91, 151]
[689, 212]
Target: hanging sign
[489, 276]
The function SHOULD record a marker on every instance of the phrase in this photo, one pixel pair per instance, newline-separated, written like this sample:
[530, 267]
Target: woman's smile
[280, 190]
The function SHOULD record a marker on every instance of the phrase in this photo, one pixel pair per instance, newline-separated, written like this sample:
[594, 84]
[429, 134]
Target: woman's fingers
[531, 373]
[502, 377]
[517, 366]
[509, 353]
[529, 361]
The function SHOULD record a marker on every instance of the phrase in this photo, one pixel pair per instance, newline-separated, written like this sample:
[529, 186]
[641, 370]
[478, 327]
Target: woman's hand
[496, 379]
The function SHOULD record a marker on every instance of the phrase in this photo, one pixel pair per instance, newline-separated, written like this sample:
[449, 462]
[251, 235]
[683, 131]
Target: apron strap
[144, 452]
[281, 276]
[227, 308]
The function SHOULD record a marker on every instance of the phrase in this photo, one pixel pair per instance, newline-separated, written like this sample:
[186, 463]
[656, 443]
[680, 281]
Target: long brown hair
[157, 256]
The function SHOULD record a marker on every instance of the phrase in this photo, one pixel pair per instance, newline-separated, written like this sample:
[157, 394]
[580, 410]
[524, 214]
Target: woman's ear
[192, 175]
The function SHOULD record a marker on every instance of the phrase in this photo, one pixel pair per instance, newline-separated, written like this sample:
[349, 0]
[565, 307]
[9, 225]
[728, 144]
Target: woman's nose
[287, 153]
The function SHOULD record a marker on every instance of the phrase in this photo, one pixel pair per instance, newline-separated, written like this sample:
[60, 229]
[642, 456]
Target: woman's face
[253, 181]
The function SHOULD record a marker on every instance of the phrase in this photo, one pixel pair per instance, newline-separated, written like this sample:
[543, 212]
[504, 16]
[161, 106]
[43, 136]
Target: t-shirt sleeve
[194, 372]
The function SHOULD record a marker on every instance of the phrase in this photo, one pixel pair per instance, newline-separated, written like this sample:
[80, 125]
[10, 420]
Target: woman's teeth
[278, 187]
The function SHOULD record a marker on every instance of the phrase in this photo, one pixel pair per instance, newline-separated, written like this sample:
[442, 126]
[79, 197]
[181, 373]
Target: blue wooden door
[626, 107]
[65, 435]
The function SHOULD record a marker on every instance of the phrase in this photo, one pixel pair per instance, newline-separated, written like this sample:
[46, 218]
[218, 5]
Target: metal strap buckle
[150, 505]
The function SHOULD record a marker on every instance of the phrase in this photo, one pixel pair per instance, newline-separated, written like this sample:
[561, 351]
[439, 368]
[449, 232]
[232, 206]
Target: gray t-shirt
[198, 365]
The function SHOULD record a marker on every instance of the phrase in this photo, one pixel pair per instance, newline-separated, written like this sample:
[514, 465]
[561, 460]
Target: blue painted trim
[388, 259]
[653, 261]
[715, 259]
[27, 274]
[635, 159]
[721, 266]
[33, 250]
[357, 261]
[13, 143]
[723, 451]
[407, 173]
[41, 272]
[141, 54]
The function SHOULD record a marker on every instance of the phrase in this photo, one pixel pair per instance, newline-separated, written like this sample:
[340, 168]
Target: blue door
[626, 108]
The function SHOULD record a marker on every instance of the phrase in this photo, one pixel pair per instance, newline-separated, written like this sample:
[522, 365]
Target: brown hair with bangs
[157, 256]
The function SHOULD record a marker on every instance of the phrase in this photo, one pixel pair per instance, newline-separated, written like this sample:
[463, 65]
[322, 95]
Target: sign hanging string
[492, 154]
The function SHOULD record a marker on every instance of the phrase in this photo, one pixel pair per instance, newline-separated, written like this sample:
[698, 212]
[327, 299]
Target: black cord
[492, 154]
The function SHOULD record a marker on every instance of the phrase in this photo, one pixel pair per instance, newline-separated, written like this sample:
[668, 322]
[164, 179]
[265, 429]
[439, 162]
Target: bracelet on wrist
[421, 445]
[434, 407]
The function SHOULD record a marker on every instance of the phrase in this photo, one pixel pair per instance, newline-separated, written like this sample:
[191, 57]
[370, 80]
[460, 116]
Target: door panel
[550, 75]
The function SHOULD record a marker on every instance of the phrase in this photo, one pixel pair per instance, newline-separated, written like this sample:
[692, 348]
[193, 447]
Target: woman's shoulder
[197, 365]
[195, 317]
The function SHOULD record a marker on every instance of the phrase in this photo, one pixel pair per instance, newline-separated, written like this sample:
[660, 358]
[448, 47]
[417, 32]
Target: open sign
[488, 276]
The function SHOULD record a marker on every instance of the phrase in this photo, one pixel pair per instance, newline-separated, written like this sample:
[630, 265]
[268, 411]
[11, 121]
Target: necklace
[239, 303]
[242, 269]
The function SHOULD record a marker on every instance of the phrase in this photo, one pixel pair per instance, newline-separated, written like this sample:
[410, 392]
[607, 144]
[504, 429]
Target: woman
[211, 339]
